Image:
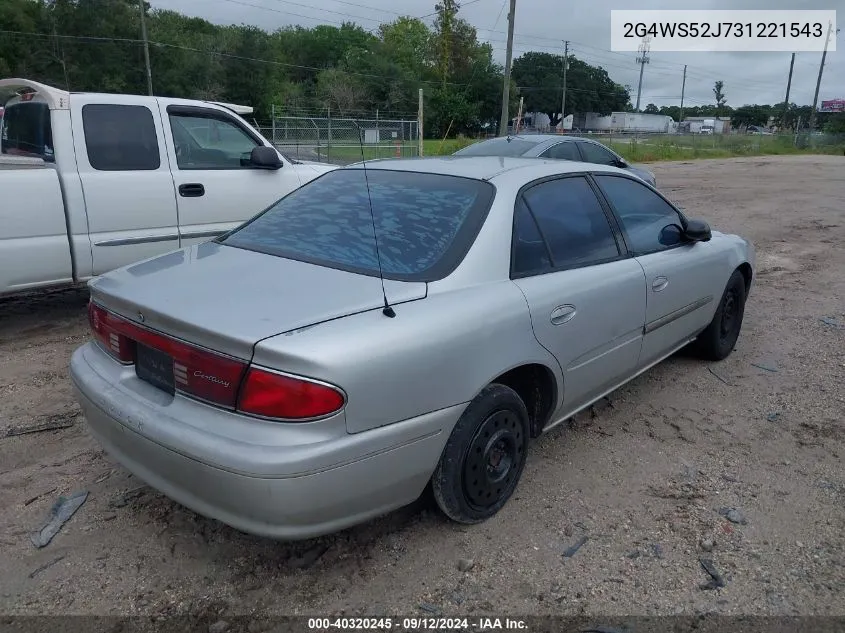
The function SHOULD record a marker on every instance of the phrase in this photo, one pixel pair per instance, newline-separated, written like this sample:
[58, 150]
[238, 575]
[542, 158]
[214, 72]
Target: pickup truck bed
[34, 237]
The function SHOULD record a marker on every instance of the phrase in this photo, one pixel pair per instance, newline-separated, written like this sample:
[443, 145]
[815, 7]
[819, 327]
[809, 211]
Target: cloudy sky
[543, 25]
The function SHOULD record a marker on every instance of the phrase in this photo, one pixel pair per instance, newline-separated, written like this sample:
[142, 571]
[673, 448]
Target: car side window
[566, 150]
[207, 142]
[650, 223]
[572, 222]
[530, 253]
[120, 137]
[595, 153]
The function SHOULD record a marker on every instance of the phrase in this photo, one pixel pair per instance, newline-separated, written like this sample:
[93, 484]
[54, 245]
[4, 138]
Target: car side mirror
[697, 231]
[263, 157]
[620, 163]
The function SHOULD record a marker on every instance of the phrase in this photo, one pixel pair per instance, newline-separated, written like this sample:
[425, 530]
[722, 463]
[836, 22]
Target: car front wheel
[717, 341]
[484, 456]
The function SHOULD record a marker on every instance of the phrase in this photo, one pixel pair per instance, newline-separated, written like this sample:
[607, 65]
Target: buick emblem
[141, 317]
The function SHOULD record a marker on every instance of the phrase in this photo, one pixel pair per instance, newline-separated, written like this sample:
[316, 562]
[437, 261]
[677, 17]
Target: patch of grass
[639, 150]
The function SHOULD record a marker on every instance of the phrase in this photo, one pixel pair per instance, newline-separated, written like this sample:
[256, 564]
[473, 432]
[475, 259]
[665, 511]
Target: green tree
[721, 99]
[651, 109]
[751, 115]
[589, 88]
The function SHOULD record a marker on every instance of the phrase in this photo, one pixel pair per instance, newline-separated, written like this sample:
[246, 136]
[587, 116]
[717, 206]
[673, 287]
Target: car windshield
[498, 147]
[425, 222]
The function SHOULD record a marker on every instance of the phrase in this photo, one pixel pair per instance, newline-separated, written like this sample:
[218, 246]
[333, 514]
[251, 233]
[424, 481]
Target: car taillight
[216, 378]
[196, 372]
[273, 395]
[105, 328]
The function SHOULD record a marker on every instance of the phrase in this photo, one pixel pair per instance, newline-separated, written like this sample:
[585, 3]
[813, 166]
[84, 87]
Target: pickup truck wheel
[484, 456]
[718, 340]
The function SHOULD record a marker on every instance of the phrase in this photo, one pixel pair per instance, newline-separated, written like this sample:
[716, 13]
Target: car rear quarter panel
[436, 352]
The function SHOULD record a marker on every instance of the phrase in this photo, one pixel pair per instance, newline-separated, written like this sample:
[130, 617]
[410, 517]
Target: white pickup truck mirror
[263, 157]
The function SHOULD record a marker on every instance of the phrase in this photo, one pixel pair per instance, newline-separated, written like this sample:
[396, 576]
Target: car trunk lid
[227, 299]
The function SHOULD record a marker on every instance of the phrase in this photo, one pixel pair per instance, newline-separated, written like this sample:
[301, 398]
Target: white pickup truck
[92, 182]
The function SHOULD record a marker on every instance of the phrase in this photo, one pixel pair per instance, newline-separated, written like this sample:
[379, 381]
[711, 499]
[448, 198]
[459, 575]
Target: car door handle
[562, 314]
[191, 190]
[659, 284]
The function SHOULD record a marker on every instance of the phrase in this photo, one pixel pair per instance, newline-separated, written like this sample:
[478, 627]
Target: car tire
[717, 341]
[484, 456]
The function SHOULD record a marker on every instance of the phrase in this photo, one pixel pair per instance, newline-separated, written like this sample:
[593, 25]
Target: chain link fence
[341, 140]
[648, 147]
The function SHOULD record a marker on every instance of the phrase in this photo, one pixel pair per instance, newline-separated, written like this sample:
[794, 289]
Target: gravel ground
[642, 477]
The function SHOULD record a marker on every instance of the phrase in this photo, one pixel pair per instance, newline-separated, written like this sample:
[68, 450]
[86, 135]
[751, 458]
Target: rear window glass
[26, 130]
[498, 147]
[425, 223]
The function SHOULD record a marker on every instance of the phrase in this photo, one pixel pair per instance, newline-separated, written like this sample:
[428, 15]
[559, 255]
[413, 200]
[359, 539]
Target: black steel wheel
[718, 340]
[484, 456]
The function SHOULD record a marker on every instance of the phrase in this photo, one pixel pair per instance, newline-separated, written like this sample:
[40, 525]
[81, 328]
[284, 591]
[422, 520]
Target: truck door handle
[659, 284]
[562, 314]
[191, 190]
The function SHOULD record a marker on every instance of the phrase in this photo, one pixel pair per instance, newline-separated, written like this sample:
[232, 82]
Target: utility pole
[683, 89]
[146, 46]
[788, 86]
[642, 60]
[819, 80]
[420, 124]
[565, 66]
[506, 89]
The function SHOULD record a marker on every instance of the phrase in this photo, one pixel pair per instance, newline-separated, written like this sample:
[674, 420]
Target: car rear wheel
[484, 456]
[718, 340]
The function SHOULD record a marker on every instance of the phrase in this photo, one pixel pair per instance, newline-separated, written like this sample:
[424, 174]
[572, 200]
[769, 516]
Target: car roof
[482, 167]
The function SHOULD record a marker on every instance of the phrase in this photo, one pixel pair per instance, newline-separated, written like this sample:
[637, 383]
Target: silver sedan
[556, 147]
[386, 327]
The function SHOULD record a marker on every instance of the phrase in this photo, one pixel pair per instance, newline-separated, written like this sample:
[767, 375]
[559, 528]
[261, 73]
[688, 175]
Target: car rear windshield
[26, 130]
[497, 147]
[425, 223]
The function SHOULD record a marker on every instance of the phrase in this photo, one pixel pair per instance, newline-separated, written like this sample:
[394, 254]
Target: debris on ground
[38, 570]
[126, 497]
[221, 626]
[706, 545]
[773, 417]
[600, 407]
[657, 548]
[60, 513]
[571, 551]
[53, 423]
[774, 370]
[37, 497]
[309, 557]
[719, 377]
[716, 579]
[634, 554]
[429, 608]
[733, 515]
[465, 564]
[833, 322]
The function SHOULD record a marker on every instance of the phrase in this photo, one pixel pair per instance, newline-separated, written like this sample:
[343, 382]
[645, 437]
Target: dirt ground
[643, 476]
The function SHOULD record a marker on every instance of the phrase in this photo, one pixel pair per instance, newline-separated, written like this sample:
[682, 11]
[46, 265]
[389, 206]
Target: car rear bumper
[303, 482]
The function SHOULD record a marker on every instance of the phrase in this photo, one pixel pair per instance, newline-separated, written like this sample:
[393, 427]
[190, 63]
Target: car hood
[642, 172]
[227, 299]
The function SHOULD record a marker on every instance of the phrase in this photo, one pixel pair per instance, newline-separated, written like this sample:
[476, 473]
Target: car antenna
[386, 310]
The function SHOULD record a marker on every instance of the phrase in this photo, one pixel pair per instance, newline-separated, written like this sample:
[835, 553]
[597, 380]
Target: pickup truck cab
[93, 182]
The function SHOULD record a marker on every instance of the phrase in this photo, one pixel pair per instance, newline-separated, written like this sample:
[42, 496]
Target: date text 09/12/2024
[417, 624]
